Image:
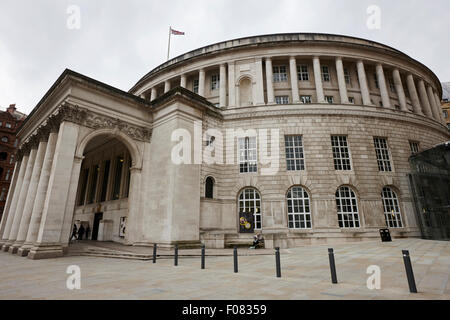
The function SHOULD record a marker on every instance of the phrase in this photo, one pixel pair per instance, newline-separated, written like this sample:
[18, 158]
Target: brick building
[10, 121]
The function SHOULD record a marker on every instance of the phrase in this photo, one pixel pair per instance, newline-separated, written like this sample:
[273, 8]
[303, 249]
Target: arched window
[209, 188]
[392, 212]
[250, 201]
[347, 208]
[299, 209]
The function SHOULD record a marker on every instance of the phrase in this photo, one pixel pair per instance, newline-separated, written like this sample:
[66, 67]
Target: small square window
[329, 99]
[305, 99]
[282, 99]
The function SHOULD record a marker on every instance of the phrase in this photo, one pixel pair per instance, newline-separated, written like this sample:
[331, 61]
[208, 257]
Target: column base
[6, 246]
[24, 249]
[15, 247]
[45, 251]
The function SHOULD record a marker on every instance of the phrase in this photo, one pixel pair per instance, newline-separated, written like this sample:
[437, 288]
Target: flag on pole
[177, 33]
[173, 32]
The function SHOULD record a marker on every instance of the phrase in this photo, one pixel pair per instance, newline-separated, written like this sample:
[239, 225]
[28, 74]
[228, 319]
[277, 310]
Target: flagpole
[168, 49]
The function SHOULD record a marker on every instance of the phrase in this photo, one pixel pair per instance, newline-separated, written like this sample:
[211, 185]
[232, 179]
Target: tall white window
[303, 74]
[295, 160]
[325, 74]
[341, 153]
[347, 208]
[282, 99]
[382, 151]
[392, 212]
[279, 74]
[347, 76]
[247, 155]
[215, 82]
[250, 201]
[299, 209]
[195, 86]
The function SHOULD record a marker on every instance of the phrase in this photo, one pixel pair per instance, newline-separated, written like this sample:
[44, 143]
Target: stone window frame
[383, 154]
[346, 198]
[391, 208]
[282, 100]
[326, 75]
[280, 73]
[215, 82]
[300, 219]
[248, 162]
[347, 76]
[255, 198]
[414, 146]
[306, 99]
[329, 99]
[342, 159]
[303, 72]
[296, 157]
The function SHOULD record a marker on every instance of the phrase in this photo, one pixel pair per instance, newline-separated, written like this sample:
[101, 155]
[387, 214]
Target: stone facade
[94, 155]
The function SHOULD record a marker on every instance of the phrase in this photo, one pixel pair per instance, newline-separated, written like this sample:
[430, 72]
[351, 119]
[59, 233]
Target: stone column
[223, 86]
[9, 198]
[399, 88]
[153, 94]
[318, 80]
[231, 85]
[259, 82]
[41, 192]
[434, 107]
[341, 80]
[438, 103]
[294, 80]
[269, 82]
[22, 199]
[12, 209]
[413, 94]
[32, 189]
[363, 83]
[201, 82]
[48, 243]
[383, 88]
[183, 81]
[424, 99]
[166, 86]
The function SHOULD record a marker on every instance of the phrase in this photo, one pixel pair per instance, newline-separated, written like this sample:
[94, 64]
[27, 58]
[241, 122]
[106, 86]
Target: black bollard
[176, 255]
[203, 256]
[278, 262]
[409, 271]
[235, 255]
[332, 266]
[154, 252]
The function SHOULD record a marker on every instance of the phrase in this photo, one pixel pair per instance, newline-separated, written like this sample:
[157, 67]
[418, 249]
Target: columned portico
[21, 201]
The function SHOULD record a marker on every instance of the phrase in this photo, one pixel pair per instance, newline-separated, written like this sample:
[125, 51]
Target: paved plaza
[305, 274]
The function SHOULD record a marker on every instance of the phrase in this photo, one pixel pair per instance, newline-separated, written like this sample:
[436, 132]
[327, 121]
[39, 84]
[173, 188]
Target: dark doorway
[98, 216]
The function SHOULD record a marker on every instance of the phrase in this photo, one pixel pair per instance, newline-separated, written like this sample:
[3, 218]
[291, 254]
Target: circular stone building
[302, 137]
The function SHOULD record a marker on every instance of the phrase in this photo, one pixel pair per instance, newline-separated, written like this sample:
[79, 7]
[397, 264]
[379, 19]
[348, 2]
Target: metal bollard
[235, 255]
[203, 256]
[154, 252]
[176, 255]
[409, 271]
[332, 266]
[278, 262]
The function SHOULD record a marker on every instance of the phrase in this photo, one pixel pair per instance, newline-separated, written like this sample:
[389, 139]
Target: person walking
[74, 232]
[80, 232]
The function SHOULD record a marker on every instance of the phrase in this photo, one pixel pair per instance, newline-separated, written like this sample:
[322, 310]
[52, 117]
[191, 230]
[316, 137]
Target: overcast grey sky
[120, 41]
